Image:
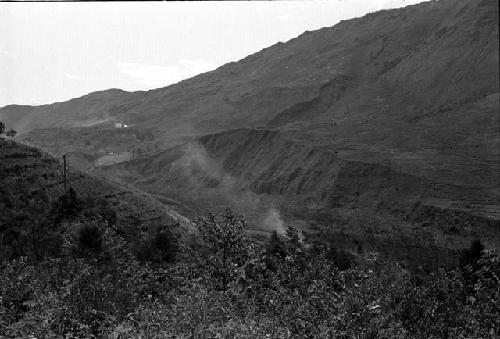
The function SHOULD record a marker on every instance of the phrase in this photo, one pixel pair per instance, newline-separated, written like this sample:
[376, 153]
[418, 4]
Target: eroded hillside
[378, 123]
[276, 181]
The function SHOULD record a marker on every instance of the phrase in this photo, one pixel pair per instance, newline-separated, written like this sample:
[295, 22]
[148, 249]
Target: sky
[60, 50]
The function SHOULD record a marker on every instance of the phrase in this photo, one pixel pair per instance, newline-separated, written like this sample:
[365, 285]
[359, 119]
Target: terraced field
[26, 170]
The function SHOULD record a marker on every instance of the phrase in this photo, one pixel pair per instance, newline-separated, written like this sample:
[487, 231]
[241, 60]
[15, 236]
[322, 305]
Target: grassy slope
[25, 170]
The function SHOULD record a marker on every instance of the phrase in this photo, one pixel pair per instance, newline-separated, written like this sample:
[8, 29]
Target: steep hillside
[413, 88]
[385, 121]
[408, 63]
[276, 182]
[31, 181]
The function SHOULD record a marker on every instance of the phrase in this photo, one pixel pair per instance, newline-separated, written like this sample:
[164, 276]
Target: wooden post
[64, 173]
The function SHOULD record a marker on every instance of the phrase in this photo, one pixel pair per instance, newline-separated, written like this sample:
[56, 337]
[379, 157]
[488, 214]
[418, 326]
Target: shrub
[472, 255]
[341, 258]
[227, 245]
[90, 238]
[275, 245]
[159, 246]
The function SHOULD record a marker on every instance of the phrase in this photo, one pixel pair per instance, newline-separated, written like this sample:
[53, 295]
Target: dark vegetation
[35, 209]
[69, 269]
[232, 288]
[11, 133]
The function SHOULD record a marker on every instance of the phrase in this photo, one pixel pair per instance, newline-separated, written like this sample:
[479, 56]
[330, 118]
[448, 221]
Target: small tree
[2, 127]
[472, 255]
[224, 236]
[11, 133]
[275, 246]
[67, 207]
[160, 245]
[293, 236]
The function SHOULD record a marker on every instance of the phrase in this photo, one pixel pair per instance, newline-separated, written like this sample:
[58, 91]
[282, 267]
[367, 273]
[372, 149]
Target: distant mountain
[90, 109]
[409, 64]
[392, 116]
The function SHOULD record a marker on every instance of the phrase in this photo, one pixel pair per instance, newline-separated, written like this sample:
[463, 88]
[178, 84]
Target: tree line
[11, 133]
[223, 284]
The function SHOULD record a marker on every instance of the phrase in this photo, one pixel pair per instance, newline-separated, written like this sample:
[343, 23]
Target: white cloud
[285, 17]
[6, 53]
[72, 76]
[153, 76]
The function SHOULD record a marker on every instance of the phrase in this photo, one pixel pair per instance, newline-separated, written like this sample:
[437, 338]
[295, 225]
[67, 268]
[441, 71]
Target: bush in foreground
[283, 290]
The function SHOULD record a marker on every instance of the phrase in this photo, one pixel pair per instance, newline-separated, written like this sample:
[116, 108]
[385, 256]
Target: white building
[120, 125]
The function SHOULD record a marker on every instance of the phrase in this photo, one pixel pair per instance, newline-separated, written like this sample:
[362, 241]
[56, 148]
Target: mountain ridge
[126, 108]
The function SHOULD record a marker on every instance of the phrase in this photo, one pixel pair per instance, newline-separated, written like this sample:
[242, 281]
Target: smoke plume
[273, 221]
[211, 185]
